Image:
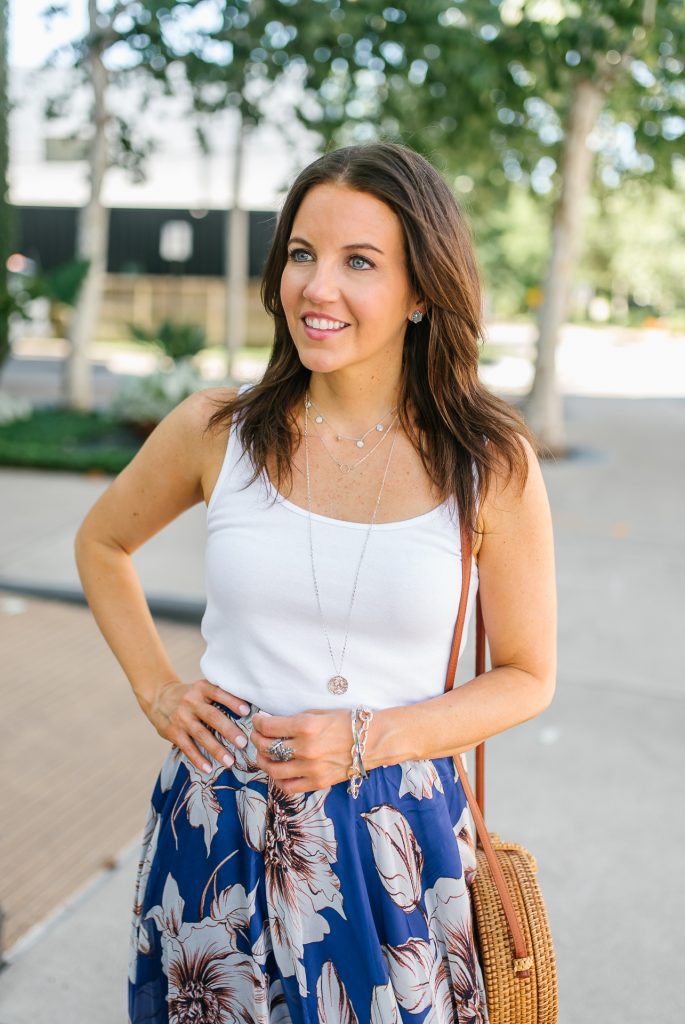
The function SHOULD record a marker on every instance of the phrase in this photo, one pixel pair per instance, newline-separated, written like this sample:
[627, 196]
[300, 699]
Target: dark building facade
[47, 235]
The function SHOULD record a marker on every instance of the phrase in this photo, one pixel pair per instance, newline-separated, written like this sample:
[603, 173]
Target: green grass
[66, 439]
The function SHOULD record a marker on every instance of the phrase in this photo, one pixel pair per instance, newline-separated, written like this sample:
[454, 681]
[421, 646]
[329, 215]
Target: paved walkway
[71, 802]
[593, 785]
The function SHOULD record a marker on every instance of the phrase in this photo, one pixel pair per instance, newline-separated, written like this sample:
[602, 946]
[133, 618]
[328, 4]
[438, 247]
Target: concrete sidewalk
[593, 786]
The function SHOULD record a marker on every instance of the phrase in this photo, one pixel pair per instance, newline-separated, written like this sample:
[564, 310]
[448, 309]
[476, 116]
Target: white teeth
[323, 325]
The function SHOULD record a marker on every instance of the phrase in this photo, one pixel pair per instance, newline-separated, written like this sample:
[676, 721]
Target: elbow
[545, 688]
[80, 541]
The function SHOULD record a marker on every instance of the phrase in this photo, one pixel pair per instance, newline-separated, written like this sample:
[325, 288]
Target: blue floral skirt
[255, 907]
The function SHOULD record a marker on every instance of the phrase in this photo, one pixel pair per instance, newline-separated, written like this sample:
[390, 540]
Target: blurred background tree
[540, 94]
[541, 114]
[227, 58]
[6, 212]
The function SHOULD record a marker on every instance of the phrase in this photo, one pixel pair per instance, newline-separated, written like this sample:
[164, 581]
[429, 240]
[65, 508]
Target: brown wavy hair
[462, 427]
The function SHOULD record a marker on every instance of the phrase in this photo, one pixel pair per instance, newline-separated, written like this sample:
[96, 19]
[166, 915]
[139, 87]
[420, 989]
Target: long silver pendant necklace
[337, 684]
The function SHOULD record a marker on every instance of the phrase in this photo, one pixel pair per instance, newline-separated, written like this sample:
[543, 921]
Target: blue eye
[363, 259]
[294, 253]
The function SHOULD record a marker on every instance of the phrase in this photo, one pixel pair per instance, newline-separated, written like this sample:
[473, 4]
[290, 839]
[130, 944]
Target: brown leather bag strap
[522, 960]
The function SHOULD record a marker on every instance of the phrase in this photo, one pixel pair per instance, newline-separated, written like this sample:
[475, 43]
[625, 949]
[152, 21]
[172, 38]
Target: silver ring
[278, 752]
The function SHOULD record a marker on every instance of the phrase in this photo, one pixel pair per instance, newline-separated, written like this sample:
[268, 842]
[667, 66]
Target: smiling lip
[317, 333]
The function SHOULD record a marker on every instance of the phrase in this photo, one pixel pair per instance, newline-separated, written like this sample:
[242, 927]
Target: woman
[308, 851]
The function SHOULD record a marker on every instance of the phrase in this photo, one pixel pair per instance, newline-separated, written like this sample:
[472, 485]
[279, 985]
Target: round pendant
[360, 444]
[379, 427]
[338, 684]
[344, 467]
[318, 419]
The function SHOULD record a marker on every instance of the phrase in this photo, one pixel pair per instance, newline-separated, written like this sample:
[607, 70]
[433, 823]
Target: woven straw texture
[512, 1000]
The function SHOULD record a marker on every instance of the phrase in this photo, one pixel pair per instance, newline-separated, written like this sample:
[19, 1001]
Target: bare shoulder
[212, 440]
[168, 475]
[197, 410]
[513, 501]
[507, 493]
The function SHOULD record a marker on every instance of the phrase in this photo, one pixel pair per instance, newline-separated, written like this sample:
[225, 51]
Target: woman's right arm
[167, 476]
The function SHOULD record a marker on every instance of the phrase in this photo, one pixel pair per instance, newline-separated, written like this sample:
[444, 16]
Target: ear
[417, 304]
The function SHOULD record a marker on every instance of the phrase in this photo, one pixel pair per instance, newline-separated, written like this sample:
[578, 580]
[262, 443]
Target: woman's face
[344, 288]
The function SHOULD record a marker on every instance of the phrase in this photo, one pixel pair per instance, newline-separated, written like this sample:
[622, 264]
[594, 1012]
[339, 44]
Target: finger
[195, 756]
[264, 747]
[215, 749]
[274, 726]
[279, 771]
[295, 786]
[224, 725]
[229, 700]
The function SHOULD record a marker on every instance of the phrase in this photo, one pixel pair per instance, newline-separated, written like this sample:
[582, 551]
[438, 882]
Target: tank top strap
[236, 468]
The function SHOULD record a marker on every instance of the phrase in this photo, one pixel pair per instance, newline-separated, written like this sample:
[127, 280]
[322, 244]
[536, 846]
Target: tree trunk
[6, 212]
[236, 267]
[544, 409]
[92, 235]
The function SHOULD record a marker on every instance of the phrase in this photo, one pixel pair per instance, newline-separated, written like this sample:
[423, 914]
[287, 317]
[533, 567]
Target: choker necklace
[359, 441]
[337, 684]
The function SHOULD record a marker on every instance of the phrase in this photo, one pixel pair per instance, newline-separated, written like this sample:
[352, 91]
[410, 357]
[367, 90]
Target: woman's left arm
[518, 600]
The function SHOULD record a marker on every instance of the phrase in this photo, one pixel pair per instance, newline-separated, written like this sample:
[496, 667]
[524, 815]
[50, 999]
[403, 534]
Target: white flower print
[411, 966]
[278, 1007]
[448, 906]
[140, 942]
[262, 946]
[201, 803]
[168, 917]
[251, 807]
[299, 850]
[333, 1004]
[233, 908]
[420, 981]
[210, 981]
[384, 1005]
[169, 768]
[418, 778]
[397, 855]
[467, 848]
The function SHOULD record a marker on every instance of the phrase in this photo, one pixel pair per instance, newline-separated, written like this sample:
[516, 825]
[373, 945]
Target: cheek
[289, 291]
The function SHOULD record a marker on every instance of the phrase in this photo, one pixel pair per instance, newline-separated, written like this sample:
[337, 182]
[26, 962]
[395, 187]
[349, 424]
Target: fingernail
[244, 709]
[241, 741]
[228, 761]
[206, 767]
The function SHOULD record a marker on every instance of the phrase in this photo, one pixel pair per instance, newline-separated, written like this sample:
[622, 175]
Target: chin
[320, 362]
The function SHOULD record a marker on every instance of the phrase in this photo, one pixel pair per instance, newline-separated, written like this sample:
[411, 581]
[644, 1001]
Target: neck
[353, 404]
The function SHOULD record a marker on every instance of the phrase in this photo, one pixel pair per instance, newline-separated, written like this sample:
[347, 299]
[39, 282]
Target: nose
[322, 284]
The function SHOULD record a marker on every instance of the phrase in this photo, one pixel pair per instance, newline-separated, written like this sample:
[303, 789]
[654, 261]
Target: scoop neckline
[396, 524]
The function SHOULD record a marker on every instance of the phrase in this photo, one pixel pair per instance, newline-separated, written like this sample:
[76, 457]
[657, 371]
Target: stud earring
[416, 317]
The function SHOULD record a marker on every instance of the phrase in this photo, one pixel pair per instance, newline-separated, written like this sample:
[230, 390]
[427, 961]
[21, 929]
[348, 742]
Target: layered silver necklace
[378, 427]
[338, 684]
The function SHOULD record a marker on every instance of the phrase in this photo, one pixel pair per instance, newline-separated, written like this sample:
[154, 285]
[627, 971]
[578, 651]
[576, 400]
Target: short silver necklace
[379, 427]
[347, 467]
[337, 684]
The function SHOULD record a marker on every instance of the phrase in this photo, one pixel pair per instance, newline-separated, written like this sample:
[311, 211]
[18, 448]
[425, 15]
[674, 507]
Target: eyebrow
[352, 245]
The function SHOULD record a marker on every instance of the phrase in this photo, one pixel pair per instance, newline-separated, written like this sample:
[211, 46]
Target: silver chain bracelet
[361, 720]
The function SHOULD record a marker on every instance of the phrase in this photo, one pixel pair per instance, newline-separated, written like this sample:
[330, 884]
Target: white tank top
[262, 628]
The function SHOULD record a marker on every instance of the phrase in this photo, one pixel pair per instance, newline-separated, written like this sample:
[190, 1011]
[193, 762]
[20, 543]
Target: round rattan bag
[529, 997]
